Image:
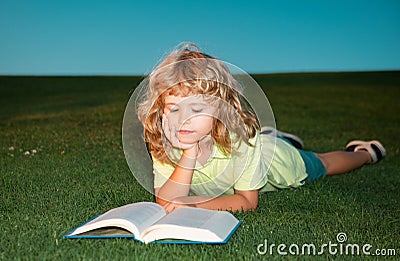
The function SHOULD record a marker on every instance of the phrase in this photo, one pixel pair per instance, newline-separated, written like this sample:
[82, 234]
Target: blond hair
[187, 71]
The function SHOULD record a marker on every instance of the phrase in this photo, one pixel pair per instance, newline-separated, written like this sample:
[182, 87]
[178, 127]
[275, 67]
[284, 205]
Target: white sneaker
[373, 147]
[296, 141]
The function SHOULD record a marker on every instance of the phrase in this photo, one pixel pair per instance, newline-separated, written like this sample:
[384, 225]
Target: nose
[184, 116]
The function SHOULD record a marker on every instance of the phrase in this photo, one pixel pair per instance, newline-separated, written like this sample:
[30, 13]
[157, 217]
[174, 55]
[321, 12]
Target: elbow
[249, 199]
[252, 207]
[249, 205]
[245, 208]
[252, 204]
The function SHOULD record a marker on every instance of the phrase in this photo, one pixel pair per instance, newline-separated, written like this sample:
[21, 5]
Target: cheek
[205, 123]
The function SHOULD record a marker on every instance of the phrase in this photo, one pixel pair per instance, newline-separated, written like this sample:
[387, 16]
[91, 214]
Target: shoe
[374, 148]
[293, 139]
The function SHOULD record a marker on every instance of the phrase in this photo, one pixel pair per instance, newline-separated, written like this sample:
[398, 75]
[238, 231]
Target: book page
[193, 224]
[134, 217]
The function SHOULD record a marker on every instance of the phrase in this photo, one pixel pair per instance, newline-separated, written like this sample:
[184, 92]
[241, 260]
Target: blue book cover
[147, 222]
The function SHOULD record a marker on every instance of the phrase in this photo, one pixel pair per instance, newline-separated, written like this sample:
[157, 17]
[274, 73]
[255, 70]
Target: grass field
[62, 161]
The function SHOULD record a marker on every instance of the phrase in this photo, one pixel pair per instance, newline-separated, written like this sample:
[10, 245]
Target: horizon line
[145, 75]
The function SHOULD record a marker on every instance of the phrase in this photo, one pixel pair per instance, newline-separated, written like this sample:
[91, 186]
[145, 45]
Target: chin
[188, 140]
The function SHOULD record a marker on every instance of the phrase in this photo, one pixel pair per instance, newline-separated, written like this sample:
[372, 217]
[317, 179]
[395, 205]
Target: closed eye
[197, 110]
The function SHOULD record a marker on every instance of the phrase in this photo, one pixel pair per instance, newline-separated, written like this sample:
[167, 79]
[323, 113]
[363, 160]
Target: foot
[374, 148]
[293, 139]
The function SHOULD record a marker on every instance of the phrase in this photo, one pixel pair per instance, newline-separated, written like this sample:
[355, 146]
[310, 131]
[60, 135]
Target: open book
[148, 222]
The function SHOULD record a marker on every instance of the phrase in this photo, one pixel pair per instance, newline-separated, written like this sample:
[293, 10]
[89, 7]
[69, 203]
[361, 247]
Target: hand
[171, 206]
[171, 134]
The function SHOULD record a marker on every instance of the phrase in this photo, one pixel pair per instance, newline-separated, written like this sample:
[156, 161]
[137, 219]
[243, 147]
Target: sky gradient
[95, 37]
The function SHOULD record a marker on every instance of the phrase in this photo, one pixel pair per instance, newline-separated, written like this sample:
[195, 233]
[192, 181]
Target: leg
[338, 162]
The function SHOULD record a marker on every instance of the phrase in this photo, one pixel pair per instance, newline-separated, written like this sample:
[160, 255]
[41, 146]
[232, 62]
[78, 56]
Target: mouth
[185, 132]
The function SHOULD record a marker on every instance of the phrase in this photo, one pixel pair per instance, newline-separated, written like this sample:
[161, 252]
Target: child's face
[189, 118]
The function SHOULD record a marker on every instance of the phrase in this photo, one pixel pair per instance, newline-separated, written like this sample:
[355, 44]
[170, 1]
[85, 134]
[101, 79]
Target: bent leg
[338, 162]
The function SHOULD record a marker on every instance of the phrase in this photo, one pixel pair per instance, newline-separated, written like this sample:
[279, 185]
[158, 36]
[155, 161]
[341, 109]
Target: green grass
[79, 169]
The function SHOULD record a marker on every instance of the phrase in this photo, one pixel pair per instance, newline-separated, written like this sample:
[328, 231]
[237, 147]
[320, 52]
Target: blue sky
[95, 37]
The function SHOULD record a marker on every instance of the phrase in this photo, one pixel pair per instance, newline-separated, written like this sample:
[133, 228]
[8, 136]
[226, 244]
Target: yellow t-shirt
[269, 165]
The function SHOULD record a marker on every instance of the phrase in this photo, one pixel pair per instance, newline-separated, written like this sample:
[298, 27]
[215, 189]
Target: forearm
[234, 202]
[230, 202]
[178, 184]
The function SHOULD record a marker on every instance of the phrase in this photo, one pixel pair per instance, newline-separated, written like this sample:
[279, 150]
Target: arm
[178, 184]
[241, 200]
[174, 192]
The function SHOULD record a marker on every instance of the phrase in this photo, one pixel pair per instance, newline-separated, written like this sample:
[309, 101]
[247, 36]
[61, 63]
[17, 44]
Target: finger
[169, 207]
[166, 207]
[174, 137]
[168, 132]
[165, 126]
[163, 121]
